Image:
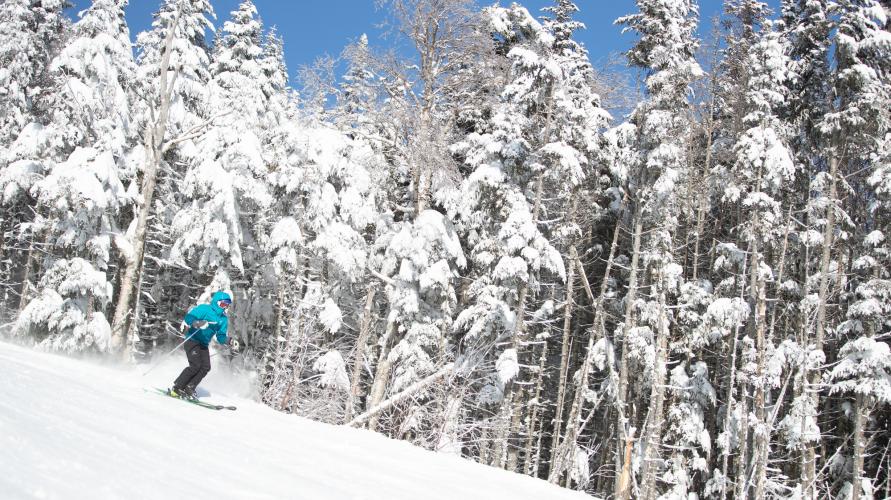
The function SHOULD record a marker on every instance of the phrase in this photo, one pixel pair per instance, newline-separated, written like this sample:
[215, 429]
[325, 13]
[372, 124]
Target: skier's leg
[193, 354]
[202, 368]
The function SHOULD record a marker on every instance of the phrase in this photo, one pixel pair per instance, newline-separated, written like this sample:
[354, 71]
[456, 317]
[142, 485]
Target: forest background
[661, 279]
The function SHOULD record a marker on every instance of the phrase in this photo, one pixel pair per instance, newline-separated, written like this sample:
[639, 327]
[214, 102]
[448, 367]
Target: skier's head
[221, 301]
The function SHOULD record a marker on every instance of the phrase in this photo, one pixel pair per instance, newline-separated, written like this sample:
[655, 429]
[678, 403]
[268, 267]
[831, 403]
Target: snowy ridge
[70, 429]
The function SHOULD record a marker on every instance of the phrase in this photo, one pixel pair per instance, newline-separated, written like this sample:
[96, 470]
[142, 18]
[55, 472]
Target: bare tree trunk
[91, 305]
[572, 428]
[742, 453]
[630, 297]
[762, 429]
[859, 417]
[26, 278]
[276, 351]
[364, 332]
[564, 354]
[623, 482]
[703, 199]
[487, 447]
[780, 272]
[729, 413]
[532, 456]
[761, 433]
[154, 144]
[888, 477]
[513, 405]
[381, 375]
[813, 379]
[294, 379]
[653, 438]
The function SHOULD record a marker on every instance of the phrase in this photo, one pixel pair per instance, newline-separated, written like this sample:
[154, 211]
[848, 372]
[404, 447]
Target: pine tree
[762, 170]
[575, 151]
[500, 210]
[226, 177]
[666, 51]
[79, 198]
[855, 132]
[33, 33]
[357, 100]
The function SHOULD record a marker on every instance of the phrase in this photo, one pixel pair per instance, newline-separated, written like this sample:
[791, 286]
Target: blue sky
[313, 28]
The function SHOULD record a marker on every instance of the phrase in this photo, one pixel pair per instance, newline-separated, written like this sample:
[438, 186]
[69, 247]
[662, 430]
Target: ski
[196, 402]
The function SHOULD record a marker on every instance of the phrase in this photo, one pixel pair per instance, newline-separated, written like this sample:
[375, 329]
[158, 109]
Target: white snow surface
[70, 429]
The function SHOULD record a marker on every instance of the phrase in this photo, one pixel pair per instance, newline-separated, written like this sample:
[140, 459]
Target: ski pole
[168, 354]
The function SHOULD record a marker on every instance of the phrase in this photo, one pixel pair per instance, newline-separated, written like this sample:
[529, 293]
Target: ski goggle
[224, 303]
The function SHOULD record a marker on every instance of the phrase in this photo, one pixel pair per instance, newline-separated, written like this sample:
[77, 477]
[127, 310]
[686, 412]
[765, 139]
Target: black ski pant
[199, 365]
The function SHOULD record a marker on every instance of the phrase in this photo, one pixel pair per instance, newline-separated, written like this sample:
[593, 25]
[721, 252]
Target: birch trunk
[153, 144]
[381, 375]
[364, 332]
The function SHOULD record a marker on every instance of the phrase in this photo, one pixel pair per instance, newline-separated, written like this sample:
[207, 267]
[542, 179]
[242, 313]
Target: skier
[203, 322]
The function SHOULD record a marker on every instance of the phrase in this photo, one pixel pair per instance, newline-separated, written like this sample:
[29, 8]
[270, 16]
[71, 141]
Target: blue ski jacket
[217, 321]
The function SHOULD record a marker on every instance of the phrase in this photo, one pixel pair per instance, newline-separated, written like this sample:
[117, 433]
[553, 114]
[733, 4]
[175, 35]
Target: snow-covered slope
[70, 429]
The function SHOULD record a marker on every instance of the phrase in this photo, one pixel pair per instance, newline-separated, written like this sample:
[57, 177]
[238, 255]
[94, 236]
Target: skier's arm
[195, 314]
[223, 330]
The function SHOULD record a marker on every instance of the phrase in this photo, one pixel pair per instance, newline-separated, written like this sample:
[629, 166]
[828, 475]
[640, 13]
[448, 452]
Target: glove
[199, 324]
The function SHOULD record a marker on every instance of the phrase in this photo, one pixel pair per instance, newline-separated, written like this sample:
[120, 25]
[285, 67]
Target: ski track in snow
[74, 430]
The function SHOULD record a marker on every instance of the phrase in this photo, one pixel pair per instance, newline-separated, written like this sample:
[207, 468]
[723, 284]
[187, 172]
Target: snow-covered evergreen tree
[665, 51]
[423, 260]
[32, 33]
[856, 131]
[226, 178]
[763, 169]
[357, 100]
[79, 198]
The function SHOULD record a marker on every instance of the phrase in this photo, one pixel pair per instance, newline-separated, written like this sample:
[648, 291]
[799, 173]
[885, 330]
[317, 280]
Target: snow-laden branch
[193, 132]
[405, 394]
[385, 279]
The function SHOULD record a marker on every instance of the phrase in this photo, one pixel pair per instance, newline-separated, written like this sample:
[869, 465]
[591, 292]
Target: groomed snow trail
[74, 430]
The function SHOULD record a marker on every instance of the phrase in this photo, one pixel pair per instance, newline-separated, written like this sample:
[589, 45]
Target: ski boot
[183, 393]
[188, 393]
